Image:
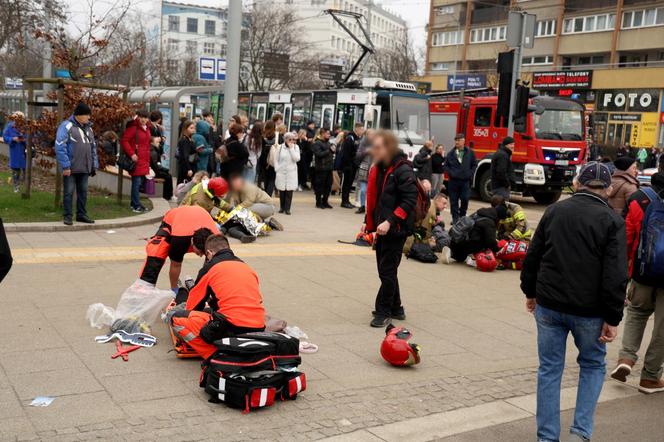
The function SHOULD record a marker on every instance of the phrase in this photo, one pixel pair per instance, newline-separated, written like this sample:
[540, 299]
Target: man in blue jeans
[460, 165]
[574, 278]
[76, 151]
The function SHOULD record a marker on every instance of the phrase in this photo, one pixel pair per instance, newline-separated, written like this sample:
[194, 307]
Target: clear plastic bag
[143, 300]
[100, 315]
[142, 303]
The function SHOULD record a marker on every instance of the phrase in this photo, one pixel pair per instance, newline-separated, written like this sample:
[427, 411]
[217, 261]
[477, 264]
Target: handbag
[124, 161]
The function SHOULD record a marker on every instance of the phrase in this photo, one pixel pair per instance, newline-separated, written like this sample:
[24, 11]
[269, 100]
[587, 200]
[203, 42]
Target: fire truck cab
[547, 151]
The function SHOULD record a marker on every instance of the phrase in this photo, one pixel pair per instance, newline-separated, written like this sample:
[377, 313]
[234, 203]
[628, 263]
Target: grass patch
[40, 208]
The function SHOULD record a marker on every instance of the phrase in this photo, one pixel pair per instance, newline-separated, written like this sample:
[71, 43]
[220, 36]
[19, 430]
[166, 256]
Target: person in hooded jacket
[237, 152]
[481, 237]
[646, 298]
[135, 143]
[623, 183]
[16, 141]
[203, 148]
[390, 213]
[502, 169]
[422, 162]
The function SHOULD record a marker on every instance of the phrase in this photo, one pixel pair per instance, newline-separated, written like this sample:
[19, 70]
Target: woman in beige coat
[623, 183]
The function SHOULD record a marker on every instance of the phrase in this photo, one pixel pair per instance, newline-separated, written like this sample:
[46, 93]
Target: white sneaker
[470, 261]
[299, 188]
[446, 255]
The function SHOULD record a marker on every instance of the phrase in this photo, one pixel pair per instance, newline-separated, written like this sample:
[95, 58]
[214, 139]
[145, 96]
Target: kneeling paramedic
[183, 230]
[231, 289]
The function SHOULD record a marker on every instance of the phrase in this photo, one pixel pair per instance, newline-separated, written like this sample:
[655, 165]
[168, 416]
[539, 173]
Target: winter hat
[459, 136]
[508, 140]
[624, 163]
[82, 109]
[218, 187]
[595, 175]
[501, 211]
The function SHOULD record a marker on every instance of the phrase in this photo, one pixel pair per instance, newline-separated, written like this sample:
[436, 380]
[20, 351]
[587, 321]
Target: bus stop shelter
[167, 100]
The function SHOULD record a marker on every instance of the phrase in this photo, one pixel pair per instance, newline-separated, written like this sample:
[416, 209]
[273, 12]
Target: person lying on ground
[183, 230]
[481, 237]
[231, 290]
[424, 230]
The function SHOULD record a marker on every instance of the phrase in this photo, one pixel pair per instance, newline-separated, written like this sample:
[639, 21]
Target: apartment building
[191, 31]
[616, 47]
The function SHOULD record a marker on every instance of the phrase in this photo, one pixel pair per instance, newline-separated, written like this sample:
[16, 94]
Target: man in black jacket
[574, 278]
[502, 169]
[460, 165]
[391, 201]
[323, 152]
[481, 237]
[348, 166]
[422, 162]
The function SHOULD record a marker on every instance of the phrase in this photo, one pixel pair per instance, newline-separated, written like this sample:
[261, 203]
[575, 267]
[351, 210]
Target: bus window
[301, 110]
[410, 119]
[328, 116]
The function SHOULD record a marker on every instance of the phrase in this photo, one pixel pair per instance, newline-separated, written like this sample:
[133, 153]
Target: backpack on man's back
[650, 254]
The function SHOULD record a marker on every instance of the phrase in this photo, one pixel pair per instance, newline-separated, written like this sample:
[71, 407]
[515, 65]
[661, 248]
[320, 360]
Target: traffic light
[505, 65]
[521, 107]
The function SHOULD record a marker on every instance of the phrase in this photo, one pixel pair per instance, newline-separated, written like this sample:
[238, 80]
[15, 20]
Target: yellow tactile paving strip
[135, 253]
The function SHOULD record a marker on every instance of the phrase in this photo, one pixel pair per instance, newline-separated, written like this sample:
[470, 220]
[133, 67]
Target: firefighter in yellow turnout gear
[515, 226]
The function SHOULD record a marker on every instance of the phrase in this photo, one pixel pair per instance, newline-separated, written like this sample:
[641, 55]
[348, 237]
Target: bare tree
[398, 63]
[20, 17]
[87, 52]
[274, 51]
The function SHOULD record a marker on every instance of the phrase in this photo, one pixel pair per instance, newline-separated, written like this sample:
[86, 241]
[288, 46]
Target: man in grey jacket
[76, 151]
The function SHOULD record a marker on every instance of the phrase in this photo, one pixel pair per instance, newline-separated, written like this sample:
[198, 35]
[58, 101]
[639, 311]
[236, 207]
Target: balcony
[490, 11]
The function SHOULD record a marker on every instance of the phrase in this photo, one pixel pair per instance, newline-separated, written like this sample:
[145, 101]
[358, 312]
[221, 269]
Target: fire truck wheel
[484, 185]
[546, 197]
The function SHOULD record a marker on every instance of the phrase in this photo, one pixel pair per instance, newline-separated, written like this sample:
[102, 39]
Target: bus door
[327, 116]
[323, 108]
[288, 112]
[300, 110]
[349, 114]
[258, 107]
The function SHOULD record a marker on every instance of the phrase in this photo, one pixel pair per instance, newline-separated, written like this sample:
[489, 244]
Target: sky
[415, 12]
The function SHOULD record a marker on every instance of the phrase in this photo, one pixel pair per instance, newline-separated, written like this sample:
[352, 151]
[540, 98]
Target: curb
[159, 207]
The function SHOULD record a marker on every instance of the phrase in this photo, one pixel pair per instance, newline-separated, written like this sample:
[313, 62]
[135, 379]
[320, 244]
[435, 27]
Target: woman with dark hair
[390, 212]
[136, 144]
[236, 153]
[254, 144]
[266, 171]
[186, 152]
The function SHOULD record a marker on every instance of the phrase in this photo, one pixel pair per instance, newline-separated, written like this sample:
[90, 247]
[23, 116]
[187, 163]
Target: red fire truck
[546, 153]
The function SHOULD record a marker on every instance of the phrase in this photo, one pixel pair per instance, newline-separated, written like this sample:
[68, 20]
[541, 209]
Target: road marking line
[136, 253]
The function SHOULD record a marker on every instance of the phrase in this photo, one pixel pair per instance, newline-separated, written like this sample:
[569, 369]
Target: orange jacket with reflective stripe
[230, 287]
[185, 220]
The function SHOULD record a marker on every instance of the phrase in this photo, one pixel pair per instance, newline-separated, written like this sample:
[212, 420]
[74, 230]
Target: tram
[376, 103]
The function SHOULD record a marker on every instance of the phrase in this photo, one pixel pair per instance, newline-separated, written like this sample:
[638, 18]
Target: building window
[447, 38]
[590, 23]
[444, 10]
[173, 45]
[210, 27]
[192, 47]
[536, 60]
[174, 23]
[591, 60]
[192, 25]
[643, 18]
[222, 52]
[485, 35]
[545, 28]
[172, 65]
[208, 48]
[440, 66]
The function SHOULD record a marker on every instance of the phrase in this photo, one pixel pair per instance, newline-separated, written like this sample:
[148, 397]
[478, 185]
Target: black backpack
[422, 252]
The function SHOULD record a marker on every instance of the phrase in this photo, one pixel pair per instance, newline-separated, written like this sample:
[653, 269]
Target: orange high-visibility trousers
[157, 251]
[188, 328]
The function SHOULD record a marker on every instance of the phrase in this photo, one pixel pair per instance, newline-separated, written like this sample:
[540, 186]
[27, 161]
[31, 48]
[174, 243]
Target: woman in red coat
[136, 144]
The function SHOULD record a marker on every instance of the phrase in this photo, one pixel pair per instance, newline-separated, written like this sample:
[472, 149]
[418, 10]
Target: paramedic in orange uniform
[231, 289]
[183, 230]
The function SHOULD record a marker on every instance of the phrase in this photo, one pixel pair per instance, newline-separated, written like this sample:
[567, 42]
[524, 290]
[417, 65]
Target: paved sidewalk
[478, 343]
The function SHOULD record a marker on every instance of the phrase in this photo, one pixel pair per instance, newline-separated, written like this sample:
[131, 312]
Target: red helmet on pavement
[218, 187]
[486, 261]
[395, 348]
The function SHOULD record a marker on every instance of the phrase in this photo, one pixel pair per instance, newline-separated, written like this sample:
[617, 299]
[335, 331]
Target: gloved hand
[93, 172]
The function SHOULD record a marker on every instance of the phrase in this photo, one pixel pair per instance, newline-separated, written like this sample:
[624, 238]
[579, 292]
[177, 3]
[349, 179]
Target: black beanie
[82, 109]
[624, 163]
[508, 140]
